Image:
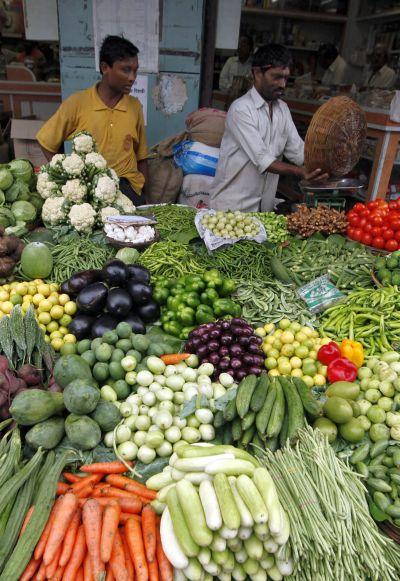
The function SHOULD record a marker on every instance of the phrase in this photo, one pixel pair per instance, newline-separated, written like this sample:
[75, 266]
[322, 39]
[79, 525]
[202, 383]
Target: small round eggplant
[141, 293]
[82, 279]
[114, 272]
[102, 324]
[81, 326]
[119, 302]
[138, 273]
[92, 299]
[149, 312]
[136, 323]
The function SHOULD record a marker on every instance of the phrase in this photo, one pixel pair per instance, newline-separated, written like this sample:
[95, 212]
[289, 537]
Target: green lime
[123, 330]
[116, 370]
[110, 337]
[117, 355]
[83, 345]
[89, 357]
[103, 352]
[140, 342]
[124, 344]
[68, 348]
[122, 389]
[100, 371]
[16, 299]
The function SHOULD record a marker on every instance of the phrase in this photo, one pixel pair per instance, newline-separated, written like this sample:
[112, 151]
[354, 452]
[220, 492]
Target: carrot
[77, 556]
[109, 576]
[128, 561]
[109, 528]
[27, 519]
[117, 560]
[153, 571]
[30, 569]
[70, 477]
[85, 492]
[65, 512]
[39, 550]
[174, 358]
[136, 548]
[123, 517]
[87, 569]
[166, 572]
[131, 486]
[79, 575]
[41, 574]
[85, 481]
[58, 574]
[52, 568]
[91, 517]
[131, 505]
[149, 532]
[69, 539]
[62, 488]
[115, 467]
[117, 492]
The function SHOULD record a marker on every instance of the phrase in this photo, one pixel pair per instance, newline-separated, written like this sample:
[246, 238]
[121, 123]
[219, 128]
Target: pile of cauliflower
[80, 192]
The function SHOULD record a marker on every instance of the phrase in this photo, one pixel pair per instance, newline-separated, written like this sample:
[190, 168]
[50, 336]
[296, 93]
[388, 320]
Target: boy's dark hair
[116, 48]
[328, 51]
[272, 55]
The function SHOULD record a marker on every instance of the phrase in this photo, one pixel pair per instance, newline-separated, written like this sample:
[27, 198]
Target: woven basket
[335, 137]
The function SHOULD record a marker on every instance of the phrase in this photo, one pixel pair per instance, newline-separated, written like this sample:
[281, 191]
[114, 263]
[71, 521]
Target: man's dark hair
[248, 38]
[116, 48]
[272, 55]
[328, 51]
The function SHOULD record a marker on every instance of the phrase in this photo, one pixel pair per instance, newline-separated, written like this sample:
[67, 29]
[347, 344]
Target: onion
[235, 350]
[202, 351]
[224, 364]
[213, 345]
[226, 339]
[225, 325]
[214, 358]
[240, 374]
[223, 351]
[255, 370]
[215, 334]
[236, 363]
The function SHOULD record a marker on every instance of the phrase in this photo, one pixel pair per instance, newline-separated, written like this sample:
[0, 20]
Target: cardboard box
[23, 135]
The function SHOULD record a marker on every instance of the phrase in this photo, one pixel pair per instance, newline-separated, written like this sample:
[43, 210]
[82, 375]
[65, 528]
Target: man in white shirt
[336, 68]
[259, 130]
[379, 75]
[237, 66]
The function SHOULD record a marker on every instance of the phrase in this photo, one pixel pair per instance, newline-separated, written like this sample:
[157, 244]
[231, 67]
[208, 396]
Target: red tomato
[368, 228]
[353, 219]
[376, 231]
[395, 223]
[350, 232]
[372, 205]
[392, 205]
[362, 223]
[359, 207]
[366, 238]
[377, 221]
[357, 235]
[387, 234]
[397, 235]
[378, 242]
[391, 245]
[382, 203]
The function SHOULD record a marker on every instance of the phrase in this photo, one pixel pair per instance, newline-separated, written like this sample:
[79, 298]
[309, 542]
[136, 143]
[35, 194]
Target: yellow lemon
[319, 379]
[32, 289]
[47, 338]
[260, 331]
[37, 298]
[70, 308]
[69, 338]
[6, 307]
[53, 298]
[42, 327]
[44, 318]
[4, 296]
[63, 299]
[65, 320]
[44, 289]
[45, 305]
[25, 306]
[55, 335]
[14, 284]
[53, 326]
[37, 281]
[54, 287]
[56, 312]
[22, 288]
[63, 330]
[6, 287]
[56, 344]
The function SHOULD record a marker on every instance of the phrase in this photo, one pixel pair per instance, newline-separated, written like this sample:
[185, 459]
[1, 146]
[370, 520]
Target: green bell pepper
[177, 290]
[204, 314]
[191, 299]
[227, 288]
[209, 296]
[213, 278]
[185, 315]
[174, 302]
[173, 328]
[226, 307]
[184, 334]
[160, 294]
[167, 316]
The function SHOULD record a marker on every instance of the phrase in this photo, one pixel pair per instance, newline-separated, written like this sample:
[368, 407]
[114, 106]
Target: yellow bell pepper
[352, 350]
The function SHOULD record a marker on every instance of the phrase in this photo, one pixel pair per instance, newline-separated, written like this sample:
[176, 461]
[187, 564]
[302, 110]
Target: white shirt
[385, 78]
[251, 142]
[233, 68]
[336, 73]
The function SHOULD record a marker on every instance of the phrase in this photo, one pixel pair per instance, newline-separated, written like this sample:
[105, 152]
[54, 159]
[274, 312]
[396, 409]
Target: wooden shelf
[380, 15]
[296, 14]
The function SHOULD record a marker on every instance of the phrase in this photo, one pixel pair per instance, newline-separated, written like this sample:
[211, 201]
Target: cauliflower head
[82, 217]
[74, 191]
[124, 203]
[113, 175]
[73, 164]
[83, 143]
[95, 159]
[53, 212]
[105, 191]
[107, 211]
[56, 159]
[46, 187]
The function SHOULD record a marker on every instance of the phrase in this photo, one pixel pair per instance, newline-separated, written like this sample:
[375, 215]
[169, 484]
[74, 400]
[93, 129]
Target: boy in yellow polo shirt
[110, 115]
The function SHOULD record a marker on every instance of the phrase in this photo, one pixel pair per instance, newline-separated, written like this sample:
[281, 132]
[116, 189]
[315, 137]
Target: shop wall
[180, 58]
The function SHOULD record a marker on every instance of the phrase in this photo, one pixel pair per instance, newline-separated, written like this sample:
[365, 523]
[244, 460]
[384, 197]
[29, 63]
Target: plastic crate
[332, 199]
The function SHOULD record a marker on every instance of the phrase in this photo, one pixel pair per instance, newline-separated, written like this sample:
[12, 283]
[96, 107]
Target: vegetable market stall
[163, 408]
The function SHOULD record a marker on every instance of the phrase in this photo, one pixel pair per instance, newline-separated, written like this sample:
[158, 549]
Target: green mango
[344, 389]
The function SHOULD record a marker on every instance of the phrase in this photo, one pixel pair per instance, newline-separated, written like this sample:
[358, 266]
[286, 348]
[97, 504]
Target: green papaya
[107, 415]
[83, 432]
[70, 367]
[35, 405]
[81, 396]
[47, 434]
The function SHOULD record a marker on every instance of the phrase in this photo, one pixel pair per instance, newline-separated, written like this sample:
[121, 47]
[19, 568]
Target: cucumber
[283, 432]
[248, 420]
[230, 411]
[237, 430]
[219, 419]
[280, 271]
[227, 434]
[378, 448]
[248, 436]
[193, 512]
[295, 408]
[181, 529]
[260, 393]
[272, 444]
[310, 403]
[360, 454]
[393, 511]
[277, 414]
[381, 500]
[229, 511]
[244, 393]
[252, 499]
[263, 415]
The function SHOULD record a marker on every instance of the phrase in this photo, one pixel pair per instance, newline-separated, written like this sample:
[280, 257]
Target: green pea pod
[378, 448]
[379, 484]
[360, 454]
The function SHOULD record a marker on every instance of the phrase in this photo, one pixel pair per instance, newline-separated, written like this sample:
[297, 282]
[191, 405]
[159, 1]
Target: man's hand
[314, 176]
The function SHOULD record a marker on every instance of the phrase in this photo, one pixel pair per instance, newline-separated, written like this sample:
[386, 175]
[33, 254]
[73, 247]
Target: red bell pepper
[328, 353]
[341, 369]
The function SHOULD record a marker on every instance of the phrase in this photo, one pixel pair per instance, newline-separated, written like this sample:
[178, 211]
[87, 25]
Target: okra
[15, 482]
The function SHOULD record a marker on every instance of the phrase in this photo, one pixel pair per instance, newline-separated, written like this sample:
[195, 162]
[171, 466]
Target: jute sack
[164, 178]
[206, 125]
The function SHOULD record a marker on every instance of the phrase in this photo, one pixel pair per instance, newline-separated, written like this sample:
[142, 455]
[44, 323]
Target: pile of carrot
[101, 528]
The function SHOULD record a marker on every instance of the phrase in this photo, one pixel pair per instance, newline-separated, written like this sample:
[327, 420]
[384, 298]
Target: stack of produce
[275, 225]
[19, 202]
[223, 516]
[230, 345]
[53, 310]
[388, 269]
[332, 535]
[118, 292]
[193, 300]
[376, 224]
[264, 413]
[291, 349]
[307, 221]
[156, 418]
[79, 190]
[11, 249]
[370, 316]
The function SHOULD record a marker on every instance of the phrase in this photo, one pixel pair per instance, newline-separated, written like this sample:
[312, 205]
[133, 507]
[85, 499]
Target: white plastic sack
[195, 190]
[194, 157]
[395, 108]
[213, 242]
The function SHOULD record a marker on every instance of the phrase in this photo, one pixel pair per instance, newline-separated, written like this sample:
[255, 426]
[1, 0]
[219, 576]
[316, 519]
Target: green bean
[171, 219]
[171, 259]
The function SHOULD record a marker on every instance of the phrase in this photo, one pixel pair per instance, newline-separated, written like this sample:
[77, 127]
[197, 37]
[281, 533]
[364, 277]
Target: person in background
[335, 67]
[237, 66]
[110, 114]
[379, 75]
[259, 131]
[6, 57]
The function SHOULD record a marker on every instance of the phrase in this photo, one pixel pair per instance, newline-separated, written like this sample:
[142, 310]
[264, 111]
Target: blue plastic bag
[194, 157]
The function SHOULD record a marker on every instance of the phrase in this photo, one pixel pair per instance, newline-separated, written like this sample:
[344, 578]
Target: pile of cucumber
[267, 411]
[379, 463]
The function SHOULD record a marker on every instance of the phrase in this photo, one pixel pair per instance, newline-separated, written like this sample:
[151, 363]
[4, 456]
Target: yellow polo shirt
[119, 132]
